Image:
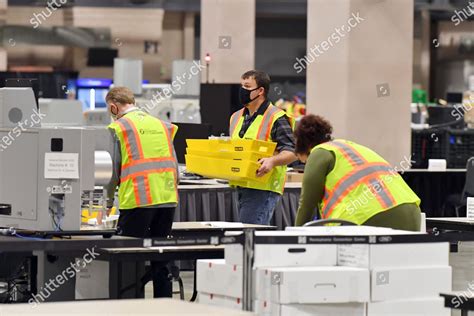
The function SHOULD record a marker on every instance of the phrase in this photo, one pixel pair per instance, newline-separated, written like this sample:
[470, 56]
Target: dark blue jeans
[257, 206]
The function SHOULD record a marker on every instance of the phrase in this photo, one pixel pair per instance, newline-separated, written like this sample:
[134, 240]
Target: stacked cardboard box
[333, 279]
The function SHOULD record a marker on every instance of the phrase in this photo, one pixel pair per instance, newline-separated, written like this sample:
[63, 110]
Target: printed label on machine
[470, 207]
[61, 166]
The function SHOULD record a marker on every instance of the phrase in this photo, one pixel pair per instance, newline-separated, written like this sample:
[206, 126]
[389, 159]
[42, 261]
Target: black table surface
[75, 243]
[451, 223]
[83, 242]
[459, 300]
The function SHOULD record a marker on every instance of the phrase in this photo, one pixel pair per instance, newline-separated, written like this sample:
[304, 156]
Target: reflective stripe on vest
[265, 126]
[142, 165]
[234, 120]
[267, 123]
[354, 178]
[131, 140]
[350, 153]
[384, 196]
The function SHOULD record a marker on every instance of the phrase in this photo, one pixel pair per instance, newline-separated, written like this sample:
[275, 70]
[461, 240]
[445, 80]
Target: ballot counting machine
[48, 173]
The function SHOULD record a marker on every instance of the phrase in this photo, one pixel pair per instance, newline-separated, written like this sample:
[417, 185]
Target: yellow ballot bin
[232, 145]
[228, 159]
[85, 215]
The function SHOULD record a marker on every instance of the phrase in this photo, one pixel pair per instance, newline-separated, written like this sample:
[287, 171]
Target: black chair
[456, 203]
[324, 222]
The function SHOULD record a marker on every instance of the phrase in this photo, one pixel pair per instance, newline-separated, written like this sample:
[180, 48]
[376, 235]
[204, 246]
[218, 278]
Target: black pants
[146, 223]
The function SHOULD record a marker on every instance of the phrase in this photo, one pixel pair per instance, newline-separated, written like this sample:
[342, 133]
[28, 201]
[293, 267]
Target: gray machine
[46, 173]
[61, 112]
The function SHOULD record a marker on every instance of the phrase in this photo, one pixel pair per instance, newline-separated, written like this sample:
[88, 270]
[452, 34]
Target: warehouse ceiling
[441, 9]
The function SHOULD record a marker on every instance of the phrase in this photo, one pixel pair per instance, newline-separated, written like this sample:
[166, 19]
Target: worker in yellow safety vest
[146, 170]
[259, 119]
[345, 180]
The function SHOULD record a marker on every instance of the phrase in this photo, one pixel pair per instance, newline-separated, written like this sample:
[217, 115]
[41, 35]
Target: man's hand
[267, 165]
[109, 210]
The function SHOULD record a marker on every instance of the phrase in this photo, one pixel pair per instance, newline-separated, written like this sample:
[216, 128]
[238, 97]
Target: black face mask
[244, 95]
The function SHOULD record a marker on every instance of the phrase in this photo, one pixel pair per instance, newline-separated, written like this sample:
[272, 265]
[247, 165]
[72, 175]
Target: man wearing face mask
[146, 170]
[259, 119]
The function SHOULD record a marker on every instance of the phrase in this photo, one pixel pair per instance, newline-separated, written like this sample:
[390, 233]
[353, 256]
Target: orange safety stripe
[144, 173]
[378, 197]
[147, 189]
[326, 195]
[270, 125]
[342, 152]
[234, 121]
[369, 183]
[328, 213]
[137, 137]
[348, 175]
[350, 153]
[135, 191]
[172, 130]
[354, 151]
[125, 138]
[264, 119]
[145, 160]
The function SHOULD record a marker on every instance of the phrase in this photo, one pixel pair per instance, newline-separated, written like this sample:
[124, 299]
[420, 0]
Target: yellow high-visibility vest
[260, 129]
[149, 169]
[361, 185]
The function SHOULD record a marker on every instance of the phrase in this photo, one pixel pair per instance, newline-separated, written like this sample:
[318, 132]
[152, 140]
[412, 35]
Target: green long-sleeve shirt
[320, 162]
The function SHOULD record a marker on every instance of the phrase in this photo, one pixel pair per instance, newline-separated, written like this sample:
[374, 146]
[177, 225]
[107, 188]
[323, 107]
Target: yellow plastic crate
[234, 145]
[85, 216]
[239, 170]
[231, 155]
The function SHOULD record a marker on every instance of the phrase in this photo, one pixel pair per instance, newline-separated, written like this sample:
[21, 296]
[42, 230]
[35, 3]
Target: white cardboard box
[285, 255]
[393, 255]
[217, 277]
[219, 300]
[350, 309]
[262, 307]
[415, 307]
[234, 254]
[262, 284]
[409, 283]
[314, 285]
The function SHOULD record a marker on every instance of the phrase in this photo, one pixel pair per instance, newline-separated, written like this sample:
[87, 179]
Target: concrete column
[70, 54]
[359, 71]
[228, 35]
[3, 19]
[188, 36]
[426, 50]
